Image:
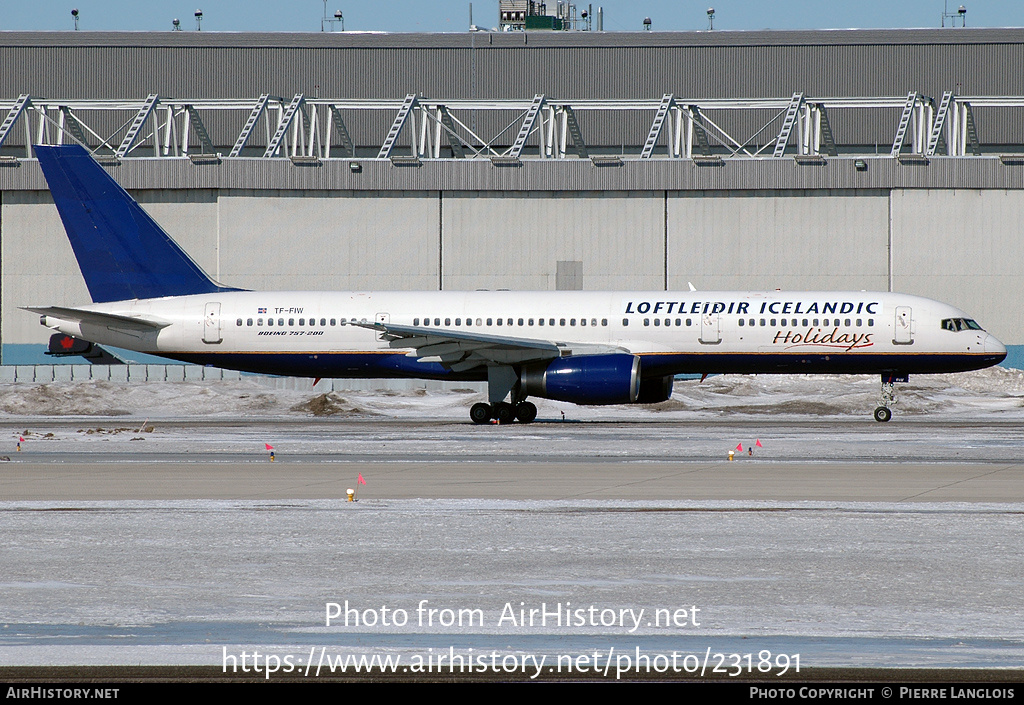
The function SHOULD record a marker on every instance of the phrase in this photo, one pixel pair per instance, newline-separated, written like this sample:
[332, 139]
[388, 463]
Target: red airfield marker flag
[271, 449]
[361, 481]
[739, 447]
[758, 443]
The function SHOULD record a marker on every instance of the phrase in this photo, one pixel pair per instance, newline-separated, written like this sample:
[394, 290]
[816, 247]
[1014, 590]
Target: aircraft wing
[133, 325]
[464, 350]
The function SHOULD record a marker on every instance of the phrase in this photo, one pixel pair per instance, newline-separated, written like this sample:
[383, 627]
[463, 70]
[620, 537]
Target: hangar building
[857, 159]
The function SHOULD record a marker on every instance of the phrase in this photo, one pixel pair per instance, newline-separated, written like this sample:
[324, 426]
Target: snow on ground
[847, 584]
[993, 393]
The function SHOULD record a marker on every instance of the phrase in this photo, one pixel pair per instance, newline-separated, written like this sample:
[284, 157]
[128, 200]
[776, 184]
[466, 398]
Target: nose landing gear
[883, 413]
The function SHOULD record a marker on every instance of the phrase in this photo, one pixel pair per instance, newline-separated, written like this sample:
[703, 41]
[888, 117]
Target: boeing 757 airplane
[581, 347]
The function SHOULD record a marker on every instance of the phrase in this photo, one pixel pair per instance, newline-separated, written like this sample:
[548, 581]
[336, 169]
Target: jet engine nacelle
[585, 379]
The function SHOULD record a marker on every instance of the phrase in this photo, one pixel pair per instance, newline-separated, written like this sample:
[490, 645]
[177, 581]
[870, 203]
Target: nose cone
[994, 348]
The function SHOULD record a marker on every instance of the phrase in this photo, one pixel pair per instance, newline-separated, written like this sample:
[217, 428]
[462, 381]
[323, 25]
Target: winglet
[123, 253]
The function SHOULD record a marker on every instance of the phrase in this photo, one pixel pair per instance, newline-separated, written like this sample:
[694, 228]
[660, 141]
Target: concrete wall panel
[964, 247]
[39, 266]
[334, 241]
[750, 240]
[515, 240]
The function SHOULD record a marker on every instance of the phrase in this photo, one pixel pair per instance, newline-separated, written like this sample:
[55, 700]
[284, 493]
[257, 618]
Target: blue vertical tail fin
[123, 253]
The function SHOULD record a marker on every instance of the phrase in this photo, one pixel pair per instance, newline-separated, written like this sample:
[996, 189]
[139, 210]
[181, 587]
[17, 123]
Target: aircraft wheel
[883, 414]
[504, 412]
[480, 413]
[526, 411]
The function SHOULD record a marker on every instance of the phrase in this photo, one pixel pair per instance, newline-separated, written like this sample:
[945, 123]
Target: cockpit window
[959, 324]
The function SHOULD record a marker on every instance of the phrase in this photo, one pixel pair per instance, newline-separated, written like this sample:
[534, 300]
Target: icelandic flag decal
[261, 310]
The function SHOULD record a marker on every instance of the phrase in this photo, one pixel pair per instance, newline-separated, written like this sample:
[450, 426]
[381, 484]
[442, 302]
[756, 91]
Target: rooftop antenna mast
[325, 20]
[711, 18]
[199, 20]
[74, 13]
[960, 15]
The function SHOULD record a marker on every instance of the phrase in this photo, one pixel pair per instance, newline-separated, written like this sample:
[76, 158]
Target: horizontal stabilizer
[116, 321]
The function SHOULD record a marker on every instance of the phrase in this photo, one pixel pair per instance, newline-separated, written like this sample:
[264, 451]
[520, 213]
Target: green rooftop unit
[543, 22]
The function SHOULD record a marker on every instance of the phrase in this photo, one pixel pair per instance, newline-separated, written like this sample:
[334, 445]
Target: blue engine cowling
[585, 379]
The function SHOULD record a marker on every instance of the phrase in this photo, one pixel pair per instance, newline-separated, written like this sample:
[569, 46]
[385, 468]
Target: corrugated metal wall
[692, 65]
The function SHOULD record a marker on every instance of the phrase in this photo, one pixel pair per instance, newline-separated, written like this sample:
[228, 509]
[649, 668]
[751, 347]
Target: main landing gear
[503, 412]
[883, 413]
[503, 382]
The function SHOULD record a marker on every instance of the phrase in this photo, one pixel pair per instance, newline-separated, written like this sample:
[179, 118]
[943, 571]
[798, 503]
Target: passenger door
[384, 318]
[710, 329]
[211, 324]
[904, 333]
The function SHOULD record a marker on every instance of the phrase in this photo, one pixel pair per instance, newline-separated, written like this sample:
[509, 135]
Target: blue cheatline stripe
[123, 253]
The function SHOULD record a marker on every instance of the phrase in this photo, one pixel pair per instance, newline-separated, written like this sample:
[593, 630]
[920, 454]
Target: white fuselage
[672, 332]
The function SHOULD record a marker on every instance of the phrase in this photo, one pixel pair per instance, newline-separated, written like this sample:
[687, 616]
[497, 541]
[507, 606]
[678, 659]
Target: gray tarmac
[916, 460]
[745, 480]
